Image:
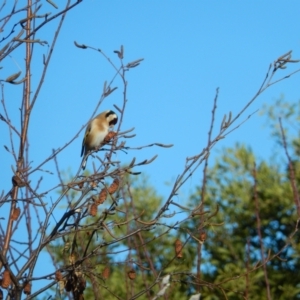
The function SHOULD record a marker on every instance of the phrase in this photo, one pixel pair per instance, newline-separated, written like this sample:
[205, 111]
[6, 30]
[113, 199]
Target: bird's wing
[87, 132]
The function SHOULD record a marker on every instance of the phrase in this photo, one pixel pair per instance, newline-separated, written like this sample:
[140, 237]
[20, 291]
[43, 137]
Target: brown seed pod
[5, 279]
[27, 288]
[81, 284]
[202, 237]
[73, 257]
[80, 297]
[102, 196]
[16, 213]
[114, 186]
[17, 181]
[93, 210]
[68, 286]
[178, 248]
[109, 136]
[93, 184]
[58, 275]
[131, 274]
[80, 184]
[106, 272]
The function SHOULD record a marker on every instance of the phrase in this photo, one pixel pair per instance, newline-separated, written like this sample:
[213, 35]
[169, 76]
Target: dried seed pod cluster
[6, 280]
[178, 248]
[131, 274]
[109, 136]
[76, 282]
[93, 210]
[81, 284]
[16, 213]
[106, 272]
[27, 288]
[73, 257]
[202, 237]
[103, 195]
[68, 285]
[58, 275]
[114, 186]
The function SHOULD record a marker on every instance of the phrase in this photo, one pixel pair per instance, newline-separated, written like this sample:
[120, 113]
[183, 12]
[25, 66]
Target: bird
[96, 131]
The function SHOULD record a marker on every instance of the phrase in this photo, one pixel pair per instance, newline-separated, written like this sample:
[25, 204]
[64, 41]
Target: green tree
[252, 242]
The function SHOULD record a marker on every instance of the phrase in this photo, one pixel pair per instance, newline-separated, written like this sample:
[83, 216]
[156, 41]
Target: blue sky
[189, 48]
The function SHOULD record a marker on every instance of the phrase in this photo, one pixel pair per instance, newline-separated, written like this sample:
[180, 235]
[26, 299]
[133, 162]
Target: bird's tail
[83, 163]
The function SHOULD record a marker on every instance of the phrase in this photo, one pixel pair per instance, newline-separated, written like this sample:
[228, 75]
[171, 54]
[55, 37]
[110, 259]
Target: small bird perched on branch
[96, 131]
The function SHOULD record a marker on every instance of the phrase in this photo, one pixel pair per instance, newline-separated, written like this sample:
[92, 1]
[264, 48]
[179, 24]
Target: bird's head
[111, 118]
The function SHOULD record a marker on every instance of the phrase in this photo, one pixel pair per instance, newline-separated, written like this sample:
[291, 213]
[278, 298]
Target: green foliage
[289, 113]
[233, 250]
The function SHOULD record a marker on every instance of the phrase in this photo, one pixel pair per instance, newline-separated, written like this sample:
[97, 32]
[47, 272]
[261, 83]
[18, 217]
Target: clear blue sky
[190, 48]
